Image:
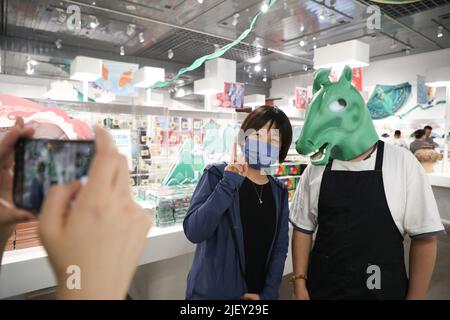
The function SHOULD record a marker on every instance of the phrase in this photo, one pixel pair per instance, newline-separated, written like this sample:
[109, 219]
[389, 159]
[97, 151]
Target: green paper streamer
[197, 63]
[421, 107]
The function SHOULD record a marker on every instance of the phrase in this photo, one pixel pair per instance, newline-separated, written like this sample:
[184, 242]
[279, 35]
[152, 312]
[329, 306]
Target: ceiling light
[141, 37]
[58, 44]
[302, 28]
[407, 51]
[200, 1]
[439, 32]
[257, 68]
[250, 75]
[265, 70]
[216, 47]
[264, 7]
[305, 67]
[333, 19]
[170, 54]
[93, 22]
[235, 21]
[122, 51]
[31, 61]
[255, 59]
[130, 7]
[94, 3]
[302, 43]
[131, 28]
[393, 44]
[265, 79]
[315, 46]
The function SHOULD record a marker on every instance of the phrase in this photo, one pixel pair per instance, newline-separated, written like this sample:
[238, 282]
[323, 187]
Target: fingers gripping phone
[41, 163]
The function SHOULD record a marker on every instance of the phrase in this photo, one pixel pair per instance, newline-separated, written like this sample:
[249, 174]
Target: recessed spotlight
[305, 67]
[440, 34]
[141, 37]
[131, 28]
[314, 38]
[235, 21]
[315, 46]
[200, 1]
[170, 54]
[93, 22]
[264, 79]
[58, 44]
[122, 50]
[264, 7]
[302, 28]
[94, 3]
[302, 43]
[257, 68]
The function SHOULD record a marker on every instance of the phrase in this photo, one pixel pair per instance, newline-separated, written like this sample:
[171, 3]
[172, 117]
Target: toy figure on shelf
[362, 196]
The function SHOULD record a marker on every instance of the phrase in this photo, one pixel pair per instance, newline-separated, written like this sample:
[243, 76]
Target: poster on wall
[116, 79]
[301, 98]
[357, 78]
[425, 94]
[232, 96]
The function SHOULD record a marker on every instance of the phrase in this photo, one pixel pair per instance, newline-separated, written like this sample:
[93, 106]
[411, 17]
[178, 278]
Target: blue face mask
[259, 154]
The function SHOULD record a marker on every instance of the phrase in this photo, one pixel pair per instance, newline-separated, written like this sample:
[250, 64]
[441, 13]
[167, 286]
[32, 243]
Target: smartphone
[41, 163]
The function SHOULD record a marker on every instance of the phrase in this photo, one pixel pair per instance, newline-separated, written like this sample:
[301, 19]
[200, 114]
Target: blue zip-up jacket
[217, 271]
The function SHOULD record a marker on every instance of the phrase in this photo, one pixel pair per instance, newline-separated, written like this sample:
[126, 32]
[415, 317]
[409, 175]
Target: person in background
[419, 142]
[430, 140]
[97, 227]
[238, 217]
[397, 140]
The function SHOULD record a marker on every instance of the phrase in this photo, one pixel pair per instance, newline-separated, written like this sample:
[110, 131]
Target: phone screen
[41, 163]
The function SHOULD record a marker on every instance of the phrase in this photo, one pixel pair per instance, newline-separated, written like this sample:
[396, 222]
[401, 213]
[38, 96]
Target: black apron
[356, 230]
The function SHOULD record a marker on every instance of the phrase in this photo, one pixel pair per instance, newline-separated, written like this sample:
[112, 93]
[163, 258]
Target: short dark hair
[397, 133]
[428, 128]
[419, 133]
[276, 119]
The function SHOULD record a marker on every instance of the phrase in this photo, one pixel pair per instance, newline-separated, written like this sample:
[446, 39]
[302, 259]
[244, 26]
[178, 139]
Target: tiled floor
[440, 283]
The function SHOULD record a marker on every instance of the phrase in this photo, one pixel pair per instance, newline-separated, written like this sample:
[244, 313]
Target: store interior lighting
[93, 22]
[122, 51]
[141, 37]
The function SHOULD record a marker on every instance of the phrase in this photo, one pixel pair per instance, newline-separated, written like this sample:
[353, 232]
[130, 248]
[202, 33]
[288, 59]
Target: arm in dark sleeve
[209, 202]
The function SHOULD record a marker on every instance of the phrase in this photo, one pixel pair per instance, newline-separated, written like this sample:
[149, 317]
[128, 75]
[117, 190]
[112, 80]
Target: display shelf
[115, 108]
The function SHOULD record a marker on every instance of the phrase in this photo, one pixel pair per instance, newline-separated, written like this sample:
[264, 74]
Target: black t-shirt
[258, 224]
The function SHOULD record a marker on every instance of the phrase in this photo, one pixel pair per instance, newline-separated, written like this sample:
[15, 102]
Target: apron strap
[380, 152]
[329, 165]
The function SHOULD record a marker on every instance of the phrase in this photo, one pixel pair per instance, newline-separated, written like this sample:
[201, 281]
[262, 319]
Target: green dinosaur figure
[337, 123]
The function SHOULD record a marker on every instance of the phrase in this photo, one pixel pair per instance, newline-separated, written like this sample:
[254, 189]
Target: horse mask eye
[337, 105]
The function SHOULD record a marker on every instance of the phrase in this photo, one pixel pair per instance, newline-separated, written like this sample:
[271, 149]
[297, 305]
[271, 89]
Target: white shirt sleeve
[303, 211]
[421, 212]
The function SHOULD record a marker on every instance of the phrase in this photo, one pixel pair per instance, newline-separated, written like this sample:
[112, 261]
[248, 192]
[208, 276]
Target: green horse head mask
[338, 123]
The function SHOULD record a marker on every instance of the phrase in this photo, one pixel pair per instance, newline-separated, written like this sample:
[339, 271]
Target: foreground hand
[238, 166]
[300, 291]
[9, 214]
[251, 296]
[102, 232]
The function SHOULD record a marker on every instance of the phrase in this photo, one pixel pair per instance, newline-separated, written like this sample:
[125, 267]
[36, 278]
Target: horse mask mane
[337, 123]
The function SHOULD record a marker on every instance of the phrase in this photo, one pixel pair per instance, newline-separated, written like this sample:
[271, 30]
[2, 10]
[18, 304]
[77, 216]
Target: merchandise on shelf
[172, 203]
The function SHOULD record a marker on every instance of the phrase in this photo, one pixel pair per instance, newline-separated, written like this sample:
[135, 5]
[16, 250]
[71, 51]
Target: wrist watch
[299, 276]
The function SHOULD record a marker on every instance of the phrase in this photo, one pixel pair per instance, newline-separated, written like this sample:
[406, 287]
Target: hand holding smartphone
[41, 163]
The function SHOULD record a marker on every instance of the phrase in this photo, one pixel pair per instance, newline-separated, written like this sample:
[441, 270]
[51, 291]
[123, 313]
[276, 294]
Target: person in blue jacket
[238, 216]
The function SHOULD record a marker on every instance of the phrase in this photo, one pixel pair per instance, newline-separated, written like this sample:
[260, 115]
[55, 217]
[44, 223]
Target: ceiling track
[420, 34]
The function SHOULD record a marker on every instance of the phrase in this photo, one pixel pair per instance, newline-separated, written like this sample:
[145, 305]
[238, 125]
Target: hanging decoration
[422, 107]
[387, 99]
[197, 63]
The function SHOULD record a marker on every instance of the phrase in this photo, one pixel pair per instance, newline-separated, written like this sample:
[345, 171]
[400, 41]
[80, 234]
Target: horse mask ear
[321, 79]
[346, 75]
